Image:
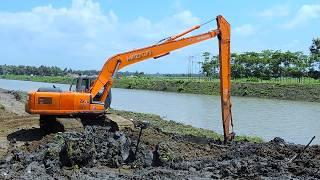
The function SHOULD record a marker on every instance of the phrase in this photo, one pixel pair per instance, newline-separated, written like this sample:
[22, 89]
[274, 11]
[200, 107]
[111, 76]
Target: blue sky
[81, 34]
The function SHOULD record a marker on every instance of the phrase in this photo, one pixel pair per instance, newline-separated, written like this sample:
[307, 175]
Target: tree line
[268, 64]
[53, 71]
[42, 70]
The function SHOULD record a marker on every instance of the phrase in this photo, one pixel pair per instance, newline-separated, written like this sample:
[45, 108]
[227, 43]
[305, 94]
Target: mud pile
[249, 160]
[99, 153]
[69, 151]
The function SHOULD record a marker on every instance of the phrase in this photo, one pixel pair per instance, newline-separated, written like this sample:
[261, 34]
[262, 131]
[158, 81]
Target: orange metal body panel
[55, 104]
[67, 101]
[225, 77]
[62, 103]
[81, 101]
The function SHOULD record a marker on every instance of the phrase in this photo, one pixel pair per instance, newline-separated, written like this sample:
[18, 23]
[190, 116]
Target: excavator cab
[83, 84]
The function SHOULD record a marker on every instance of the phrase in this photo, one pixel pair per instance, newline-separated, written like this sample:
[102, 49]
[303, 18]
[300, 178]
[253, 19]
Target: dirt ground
[99, 152]
[13, 119]
[18, 126]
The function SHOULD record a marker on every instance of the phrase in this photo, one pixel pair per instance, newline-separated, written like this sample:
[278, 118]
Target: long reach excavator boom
[95, 96]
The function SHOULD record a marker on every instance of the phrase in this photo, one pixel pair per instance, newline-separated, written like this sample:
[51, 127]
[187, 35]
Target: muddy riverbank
[167, 150]
[99, 153]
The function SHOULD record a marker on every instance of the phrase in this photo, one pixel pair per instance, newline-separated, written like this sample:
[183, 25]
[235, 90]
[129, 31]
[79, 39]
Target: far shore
[309, 92]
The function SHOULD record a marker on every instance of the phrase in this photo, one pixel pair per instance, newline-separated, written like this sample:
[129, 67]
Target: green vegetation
[315, 50]
[268, 64]
[290, 90]
[178, 128]
[41, 70]
[265, 65]
[48, 79]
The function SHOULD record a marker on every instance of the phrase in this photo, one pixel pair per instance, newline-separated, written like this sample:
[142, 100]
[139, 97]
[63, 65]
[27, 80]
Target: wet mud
[99, 153]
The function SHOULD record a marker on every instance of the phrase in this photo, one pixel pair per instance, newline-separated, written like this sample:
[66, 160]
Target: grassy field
[252, 80]
[288, 89]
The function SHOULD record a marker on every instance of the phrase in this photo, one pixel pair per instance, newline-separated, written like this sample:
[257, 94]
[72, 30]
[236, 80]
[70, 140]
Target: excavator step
[120, 122]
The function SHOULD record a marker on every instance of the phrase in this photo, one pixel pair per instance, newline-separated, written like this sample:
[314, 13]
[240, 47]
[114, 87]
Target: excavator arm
[119, 61]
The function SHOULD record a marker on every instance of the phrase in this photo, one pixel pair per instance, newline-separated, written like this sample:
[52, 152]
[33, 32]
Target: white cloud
[277, 11]
[143, 27]
[79, 36]
[245, 30]
[304, 14]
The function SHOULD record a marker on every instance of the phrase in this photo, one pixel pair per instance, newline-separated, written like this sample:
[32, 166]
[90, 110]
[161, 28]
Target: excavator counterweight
[92, 95]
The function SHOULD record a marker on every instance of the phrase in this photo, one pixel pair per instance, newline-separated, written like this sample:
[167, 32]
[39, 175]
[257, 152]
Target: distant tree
[236, 67]
[315, 47]
[65, 71]
[206, 56]
[315, 51]
[314, 71]
[215, 64]
[207, 66]
[141, 74]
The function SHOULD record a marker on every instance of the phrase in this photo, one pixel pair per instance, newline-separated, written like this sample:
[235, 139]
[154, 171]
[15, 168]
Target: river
[295, 121]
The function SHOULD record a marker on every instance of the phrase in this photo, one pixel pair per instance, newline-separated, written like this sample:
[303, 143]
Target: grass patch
[178, 128]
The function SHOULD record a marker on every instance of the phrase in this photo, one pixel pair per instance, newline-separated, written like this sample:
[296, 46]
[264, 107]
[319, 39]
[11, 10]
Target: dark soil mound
[96, 146]
[98, 153]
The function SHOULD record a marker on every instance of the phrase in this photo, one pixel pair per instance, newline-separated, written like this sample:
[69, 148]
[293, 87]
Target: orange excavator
[92, 96]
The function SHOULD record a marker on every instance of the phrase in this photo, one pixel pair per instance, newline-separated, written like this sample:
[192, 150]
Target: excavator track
[109, 119]
[51, 124]
[119, 122]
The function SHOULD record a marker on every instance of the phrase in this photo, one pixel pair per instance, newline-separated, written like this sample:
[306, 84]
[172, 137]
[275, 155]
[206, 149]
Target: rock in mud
[163, 154]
